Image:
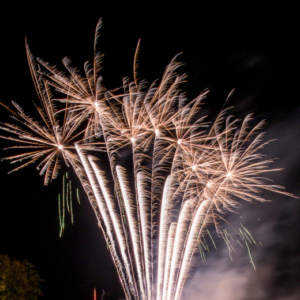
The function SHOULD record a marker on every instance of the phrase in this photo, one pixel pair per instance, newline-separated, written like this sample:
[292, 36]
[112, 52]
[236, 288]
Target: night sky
[245, 48]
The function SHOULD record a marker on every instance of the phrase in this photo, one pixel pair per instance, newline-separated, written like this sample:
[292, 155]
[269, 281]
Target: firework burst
[46, 141]
[185, 171]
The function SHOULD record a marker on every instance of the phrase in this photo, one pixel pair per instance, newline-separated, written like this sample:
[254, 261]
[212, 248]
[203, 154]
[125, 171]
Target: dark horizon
[256, 55]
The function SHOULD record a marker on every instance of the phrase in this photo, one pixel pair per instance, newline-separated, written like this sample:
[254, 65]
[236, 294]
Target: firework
[184, 170]
[47, 140]
[66, 200]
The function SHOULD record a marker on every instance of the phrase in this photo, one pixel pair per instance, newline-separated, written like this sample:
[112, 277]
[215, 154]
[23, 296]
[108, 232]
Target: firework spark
[184, 170]
[47, 140]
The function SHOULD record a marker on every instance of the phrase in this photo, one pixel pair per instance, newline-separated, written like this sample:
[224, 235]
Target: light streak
[190, 246]
[163, 235]
[63, 215]
[112, 210]
[60, 218]
[180, 236]
[133, 226]
[70, 191]
[71, 211]
[106, 218]
[77, 194]
[169, 254]
[67, 197]
[144, 209]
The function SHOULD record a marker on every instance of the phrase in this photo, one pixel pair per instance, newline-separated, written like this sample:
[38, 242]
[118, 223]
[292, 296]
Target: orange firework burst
[185, 170]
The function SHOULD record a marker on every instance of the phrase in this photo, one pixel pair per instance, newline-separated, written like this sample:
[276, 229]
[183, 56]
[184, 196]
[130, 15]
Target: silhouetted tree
[18, 280]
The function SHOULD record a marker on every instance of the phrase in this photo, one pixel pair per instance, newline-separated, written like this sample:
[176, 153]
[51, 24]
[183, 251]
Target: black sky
[252, 50]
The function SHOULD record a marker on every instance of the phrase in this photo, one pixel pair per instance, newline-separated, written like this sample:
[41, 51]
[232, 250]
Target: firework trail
[67, 200]
[181, 173]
